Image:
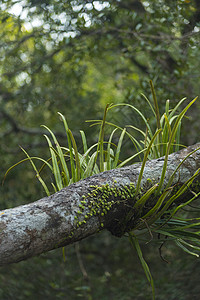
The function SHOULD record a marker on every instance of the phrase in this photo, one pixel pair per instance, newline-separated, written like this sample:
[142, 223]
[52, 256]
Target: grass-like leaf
[24, 160]
[56, 170]
[61, 157]
[116, 160]
[69, 146]
[109, 158]
[134, 242]
[100, 147]
[77, 160]
[171, 140]
[37, 173]
[145, 160]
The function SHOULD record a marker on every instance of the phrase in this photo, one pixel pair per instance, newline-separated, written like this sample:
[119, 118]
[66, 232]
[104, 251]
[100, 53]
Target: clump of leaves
[69, 165]
[158, 142]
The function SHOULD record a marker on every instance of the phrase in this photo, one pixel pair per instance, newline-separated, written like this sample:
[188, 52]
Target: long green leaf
[27, 159]
[126, 161]
[184, 204]
[145, 160]
[37, 173]
[149, 103]
[76, 154]
[134, 242]
[116, 160]
[141, 202]
[185, 249]
[61, 157]
[90, 167]
[178, 167]
[100, 147]
[176, 107]
[139, 113]
[183, 188]
[69, 145]
[174, 130]
[158, 204]
[109, 159]
[84, 141]
[56, 170]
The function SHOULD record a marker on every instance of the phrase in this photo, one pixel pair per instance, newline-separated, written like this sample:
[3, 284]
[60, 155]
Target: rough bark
[51, 222]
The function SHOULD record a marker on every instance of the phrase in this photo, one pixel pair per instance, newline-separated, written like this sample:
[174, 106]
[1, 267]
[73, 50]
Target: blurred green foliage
[74, 57]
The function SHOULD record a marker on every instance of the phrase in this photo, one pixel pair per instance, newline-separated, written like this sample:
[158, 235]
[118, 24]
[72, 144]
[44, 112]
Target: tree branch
[16, 128]
[53, 221]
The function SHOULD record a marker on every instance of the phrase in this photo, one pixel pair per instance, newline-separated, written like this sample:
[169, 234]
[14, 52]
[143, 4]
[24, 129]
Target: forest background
[75, 57]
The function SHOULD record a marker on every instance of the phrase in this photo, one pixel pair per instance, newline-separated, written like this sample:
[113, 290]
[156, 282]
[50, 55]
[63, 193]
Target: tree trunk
[99, 202]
